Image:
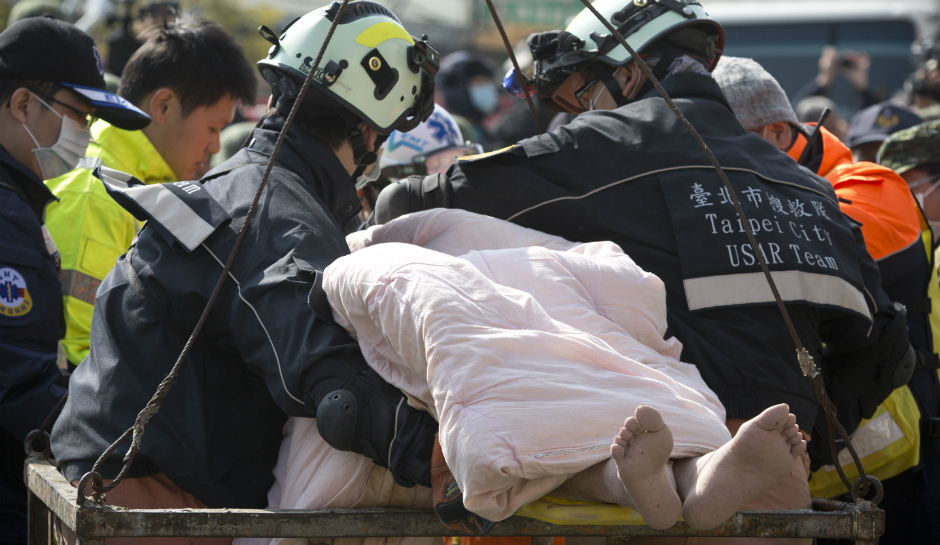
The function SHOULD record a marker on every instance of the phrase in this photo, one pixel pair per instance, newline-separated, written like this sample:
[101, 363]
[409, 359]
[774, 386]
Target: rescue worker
[633, 174]
[51, 83]
[270, 348]
[188, 76]
[430, 148]
[895, 451]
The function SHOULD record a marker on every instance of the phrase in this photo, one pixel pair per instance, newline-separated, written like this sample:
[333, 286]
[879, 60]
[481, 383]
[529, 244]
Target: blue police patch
[15, 300]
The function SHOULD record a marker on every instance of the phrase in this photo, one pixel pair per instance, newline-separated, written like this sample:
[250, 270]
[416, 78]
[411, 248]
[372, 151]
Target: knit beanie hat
[754, 95]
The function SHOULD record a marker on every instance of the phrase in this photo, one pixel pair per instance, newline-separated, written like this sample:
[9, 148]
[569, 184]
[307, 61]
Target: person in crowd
[852, 65]
[923, 85]
[663, 203]
[468, 85]
[429, 149]
[51, 84]
[36, 8]
[270, 348]
[873, 125]
[811, 108]
[188, 77]
[879, 200]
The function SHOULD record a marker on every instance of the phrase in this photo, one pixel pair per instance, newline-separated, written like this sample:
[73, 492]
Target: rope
[803, 357]
[515, 65]
[137, 430]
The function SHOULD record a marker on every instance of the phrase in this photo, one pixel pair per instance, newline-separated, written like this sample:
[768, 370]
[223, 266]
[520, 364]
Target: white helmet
[430, 148]
[372, 69]
[587, 43]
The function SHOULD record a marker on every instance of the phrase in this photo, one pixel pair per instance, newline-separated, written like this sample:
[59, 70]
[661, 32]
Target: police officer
[634, 175]
[51, 83]
[270, 348]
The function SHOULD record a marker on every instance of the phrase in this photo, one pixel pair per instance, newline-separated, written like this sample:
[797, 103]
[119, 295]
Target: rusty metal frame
[51, 497]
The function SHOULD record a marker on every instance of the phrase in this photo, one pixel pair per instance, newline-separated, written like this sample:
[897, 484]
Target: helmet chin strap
[361, 154]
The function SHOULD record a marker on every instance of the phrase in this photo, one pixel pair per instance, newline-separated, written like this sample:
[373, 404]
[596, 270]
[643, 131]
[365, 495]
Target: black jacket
[31, 323]
[636, 177]
[269, 350]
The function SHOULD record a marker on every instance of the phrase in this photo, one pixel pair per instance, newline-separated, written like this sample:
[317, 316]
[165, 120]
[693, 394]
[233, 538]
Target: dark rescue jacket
[269, 349]
[31, 323]
[635, 176]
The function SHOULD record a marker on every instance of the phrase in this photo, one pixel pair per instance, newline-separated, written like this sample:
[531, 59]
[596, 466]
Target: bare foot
[641, 453]
[717, 485]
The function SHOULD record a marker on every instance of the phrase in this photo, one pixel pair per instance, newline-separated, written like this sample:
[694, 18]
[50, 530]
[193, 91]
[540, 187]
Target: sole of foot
[722, 482]
[641, 451]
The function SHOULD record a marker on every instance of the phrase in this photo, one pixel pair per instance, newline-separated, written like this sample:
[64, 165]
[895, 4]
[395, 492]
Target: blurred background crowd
[847, 56]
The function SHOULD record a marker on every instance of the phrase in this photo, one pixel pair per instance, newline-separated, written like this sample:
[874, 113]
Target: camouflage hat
[912, 147]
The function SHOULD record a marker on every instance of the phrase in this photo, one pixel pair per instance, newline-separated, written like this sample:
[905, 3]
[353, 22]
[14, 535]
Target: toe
[798, 449]
[626, 435]
[617, 452]
[649, 418]
[773, 418]
[631, 425]
[622, 441]
[791, 420]
[795, 440]
[791, 432]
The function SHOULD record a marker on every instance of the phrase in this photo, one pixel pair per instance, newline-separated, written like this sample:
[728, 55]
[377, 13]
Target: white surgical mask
[371, 173]
[484, 98]
[67, 151]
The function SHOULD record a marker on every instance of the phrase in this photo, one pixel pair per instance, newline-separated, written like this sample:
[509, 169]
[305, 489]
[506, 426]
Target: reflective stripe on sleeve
[869, 438]
[79, 285]
[751, 288]
[162, 205]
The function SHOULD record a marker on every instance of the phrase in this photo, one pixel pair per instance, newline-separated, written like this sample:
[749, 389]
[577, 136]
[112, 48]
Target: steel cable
[143, 418]
[515, 65]
[803, 357]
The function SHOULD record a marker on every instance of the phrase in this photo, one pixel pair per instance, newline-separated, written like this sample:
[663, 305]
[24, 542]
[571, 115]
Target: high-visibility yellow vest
[90, 229]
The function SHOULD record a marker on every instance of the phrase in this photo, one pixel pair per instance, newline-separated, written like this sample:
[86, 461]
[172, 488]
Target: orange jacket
[871, 194]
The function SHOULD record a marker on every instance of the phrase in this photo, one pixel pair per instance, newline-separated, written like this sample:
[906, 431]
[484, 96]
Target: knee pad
[337, 416]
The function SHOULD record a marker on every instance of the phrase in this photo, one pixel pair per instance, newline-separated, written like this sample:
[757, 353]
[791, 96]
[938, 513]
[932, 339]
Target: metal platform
[50, 495]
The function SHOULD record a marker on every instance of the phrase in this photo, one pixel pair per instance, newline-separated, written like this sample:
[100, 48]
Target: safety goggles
[435, 162]
[570, 93]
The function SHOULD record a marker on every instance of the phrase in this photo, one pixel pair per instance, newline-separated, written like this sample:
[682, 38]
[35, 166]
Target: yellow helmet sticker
[380, 32]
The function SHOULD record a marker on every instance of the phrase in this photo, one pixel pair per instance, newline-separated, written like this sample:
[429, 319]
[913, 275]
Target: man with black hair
[270, 348]
[51, 83]
[188, 77]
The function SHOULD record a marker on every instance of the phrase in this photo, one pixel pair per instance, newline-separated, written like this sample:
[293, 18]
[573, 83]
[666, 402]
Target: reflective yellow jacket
[90, 229]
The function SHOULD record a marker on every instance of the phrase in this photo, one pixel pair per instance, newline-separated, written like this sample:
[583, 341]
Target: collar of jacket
[314, 162]
[690, 84]
[130, 152]
[25, 183]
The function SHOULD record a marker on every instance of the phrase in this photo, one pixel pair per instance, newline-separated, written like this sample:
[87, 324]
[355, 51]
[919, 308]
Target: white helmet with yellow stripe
[372, 68]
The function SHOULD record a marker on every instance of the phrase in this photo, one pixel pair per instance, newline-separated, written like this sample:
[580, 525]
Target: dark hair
[329, 129]
[9, 86]
[195, 58]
